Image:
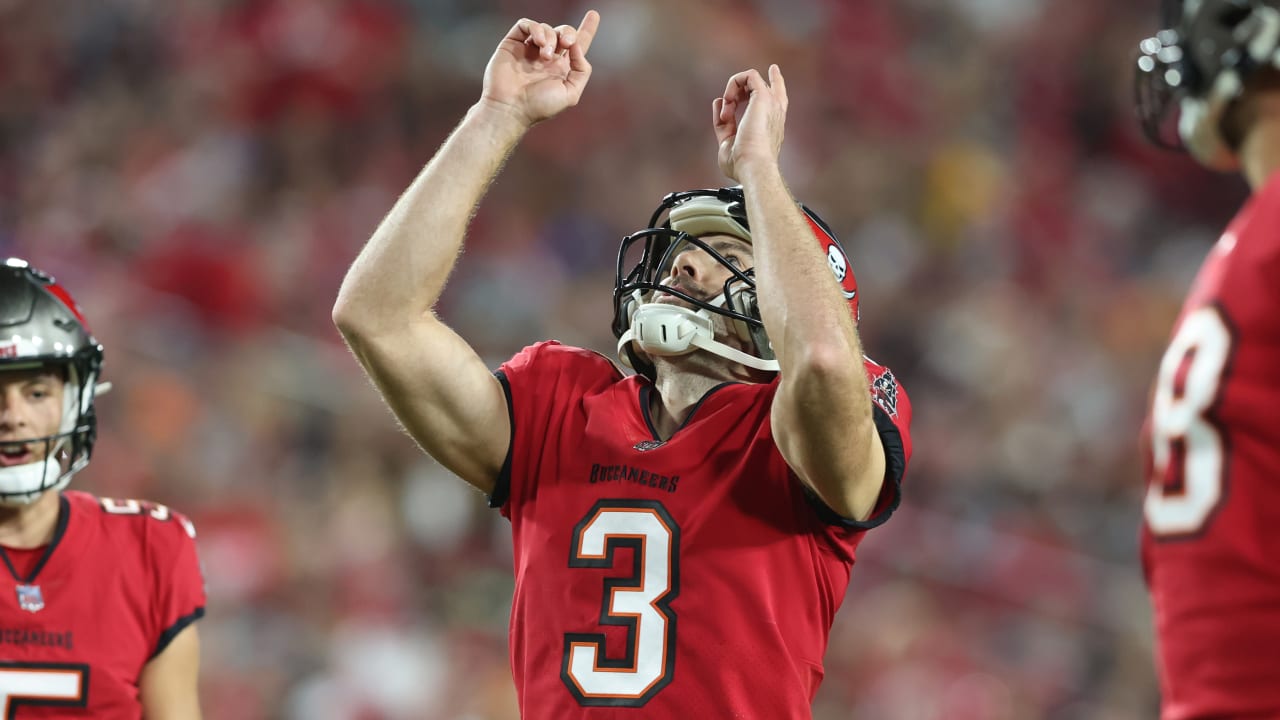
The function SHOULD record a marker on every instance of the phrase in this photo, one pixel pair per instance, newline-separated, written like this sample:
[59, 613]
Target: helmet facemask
[646, 328]
[1200, 64]
[669, 329]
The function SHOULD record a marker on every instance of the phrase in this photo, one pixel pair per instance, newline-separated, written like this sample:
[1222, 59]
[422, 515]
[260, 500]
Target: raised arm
[435, 383]
[821, 414]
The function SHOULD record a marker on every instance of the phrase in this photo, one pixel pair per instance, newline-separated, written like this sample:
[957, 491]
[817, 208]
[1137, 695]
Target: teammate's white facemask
[23, 484]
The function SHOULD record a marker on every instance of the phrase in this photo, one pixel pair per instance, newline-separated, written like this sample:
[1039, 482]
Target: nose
[691, 262]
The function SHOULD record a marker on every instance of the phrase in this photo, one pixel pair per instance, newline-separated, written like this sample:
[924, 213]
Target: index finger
[777, 83]
[587, 30]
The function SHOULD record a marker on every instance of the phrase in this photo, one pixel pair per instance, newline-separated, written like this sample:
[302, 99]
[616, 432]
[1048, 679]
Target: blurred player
[99, 596]
[683, 536]
[1211, 542]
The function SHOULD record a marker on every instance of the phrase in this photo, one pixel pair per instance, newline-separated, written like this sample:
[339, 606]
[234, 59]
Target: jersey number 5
[42, 684]
[640, 603]
[1186, 446]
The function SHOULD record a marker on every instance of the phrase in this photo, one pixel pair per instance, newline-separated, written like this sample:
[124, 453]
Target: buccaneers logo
[884, 390]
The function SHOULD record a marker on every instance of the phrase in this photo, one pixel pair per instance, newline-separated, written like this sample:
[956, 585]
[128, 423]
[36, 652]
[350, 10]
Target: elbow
[832, 376]
[345, 317]
[355, 319]
[830, 364]
[364, 323]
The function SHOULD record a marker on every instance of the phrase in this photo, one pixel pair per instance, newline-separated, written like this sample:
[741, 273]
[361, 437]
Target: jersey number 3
[639, 603]
[1186, 446]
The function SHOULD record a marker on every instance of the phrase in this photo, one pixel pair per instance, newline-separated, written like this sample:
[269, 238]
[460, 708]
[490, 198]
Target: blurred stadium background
[200, 172]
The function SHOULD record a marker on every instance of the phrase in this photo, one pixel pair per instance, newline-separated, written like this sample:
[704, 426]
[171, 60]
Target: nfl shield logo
[30, 598]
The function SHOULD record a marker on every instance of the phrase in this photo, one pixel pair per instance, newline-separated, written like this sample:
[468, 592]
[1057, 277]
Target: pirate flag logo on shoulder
[884, 390]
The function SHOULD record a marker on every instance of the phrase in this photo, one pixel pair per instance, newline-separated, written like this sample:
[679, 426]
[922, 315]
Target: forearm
[401, 272]
[822, 411]
[807, 319]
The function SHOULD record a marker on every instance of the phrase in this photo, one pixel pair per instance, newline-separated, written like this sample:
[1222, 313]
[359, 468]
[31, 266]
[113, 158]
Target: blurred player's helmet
[41, 326]
[644, 327]
[1200, 63]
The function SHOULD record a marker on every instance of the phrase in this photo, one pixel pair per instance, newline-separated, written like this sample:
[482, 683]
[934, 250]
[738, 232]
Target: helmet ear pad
[743, 299]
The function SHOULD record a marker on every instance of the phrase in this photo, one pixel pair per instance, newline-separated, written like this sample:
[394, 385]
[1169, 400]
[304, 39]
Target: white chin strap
[669, 330]
[22, 484]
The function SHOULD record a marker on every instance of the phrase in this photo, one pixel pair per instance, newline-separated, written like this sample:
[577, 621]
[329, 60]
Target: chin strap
[22, 484]
[669, 330]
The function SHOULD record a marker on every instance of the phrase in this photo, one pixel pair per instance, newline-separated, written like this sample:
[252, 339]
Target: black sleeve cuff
[178, 626]
[502, 486]
[895, 466]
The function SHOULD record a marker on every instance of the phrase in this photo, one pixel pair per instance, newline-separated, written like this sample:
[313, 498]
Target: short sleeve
[179, 582]
[891, 412]
[542, 383]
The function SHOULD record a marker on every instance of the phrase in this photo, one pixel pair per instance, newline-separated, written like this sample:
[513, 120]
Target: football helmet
[645, 328]
[41, 326]
[1200, 63]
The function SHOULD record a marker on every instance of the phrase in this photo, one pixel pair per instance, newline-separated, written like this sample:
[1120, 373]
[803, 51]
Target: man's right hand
[538, 71]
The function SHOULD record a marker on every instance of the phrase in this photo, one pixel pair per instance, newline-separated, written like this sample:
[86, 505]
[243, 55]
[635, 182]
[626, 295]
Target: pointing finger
[587, 30]
[778, 84]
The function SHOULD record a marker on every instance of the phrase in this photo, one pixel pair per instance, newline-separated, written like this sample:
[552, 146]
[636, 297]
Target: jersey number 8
[1186, 444]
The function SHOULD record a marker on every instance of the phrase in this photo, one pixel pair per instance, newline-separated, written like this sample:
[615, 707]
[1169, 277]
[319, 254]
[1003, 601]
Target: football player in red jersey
[99, 596]
[682, 536]
[1211, 540]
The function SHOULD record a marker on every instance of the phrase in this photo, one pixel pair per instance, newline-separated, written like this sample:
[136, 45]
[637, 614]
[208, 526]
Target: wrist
[500, 119]
[758, 170]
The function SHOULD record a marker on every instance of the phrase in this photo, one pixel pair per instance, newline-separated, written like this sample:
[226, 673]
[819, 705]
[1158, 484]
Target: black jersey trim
[646, 393]
[178, 626]
[64, 516]
[895, 466]
[502, 485]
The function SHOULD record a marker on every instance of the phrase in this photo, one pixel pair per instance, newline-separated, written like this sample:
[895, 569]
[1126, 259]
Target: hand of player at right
[537, 70]
[749, 120]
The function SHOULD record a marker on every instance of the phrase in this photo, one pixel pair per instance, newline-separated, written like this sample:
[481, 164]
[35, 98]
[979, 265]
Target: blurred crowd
[200, 172]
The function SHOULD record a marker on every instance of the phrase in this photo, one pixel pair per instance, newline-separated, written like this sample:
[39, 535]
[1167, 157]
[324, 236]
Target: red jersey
[118, 582]
[1211, 540]
[691, 578]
